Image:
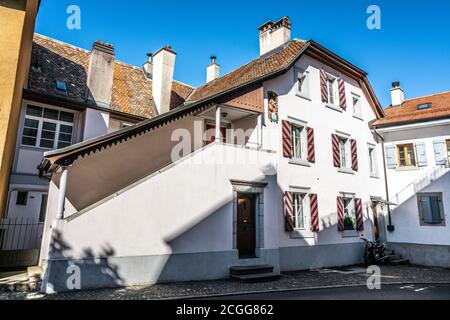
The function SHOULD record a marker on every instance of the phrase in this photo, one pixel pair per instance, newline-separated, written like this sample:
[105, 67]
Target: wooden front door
[246, 226]
[376, 229]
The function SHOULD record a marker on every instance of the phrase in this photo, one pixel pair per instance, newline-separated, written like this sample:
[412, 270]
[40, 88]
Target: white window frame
[41, 121]
[332, 90]
[350, 208]
[305, 210]
[357, 108]
[373, 161]
[305, 92]
[302, 137]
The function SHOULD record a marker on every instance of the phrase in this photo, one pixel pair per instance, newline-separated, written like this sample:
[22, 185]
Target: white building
[416, 134]
[71, 95]
[165, 200]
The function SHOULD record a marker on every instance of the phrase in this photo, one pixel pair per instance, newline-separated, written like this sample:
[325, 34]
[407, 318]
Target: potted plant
[349, 223]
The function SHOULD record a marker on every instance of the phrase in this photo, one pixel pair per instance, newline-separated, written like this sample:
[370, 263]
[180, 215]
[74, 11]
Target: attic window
[61, 86]
[423, 106]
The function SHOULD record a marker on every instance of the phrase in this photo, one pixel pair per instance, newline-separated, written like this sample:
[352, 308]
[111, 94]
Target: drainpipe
[218, 117]
[390, 227]
[62, 193]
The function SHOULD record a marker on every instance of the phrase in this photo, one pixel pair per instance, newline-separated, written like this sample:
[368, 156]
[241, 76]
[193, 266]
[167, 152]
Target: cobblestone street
[338, 277]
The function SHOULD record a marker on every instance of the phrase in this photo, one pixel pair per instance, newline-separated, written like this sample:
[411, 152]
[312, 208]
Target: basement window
[22, 198]
[61, 86]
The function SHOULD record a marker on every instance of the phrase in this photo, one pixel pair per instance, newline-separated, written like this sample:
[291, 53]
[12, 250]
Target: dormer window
[61, 86]
[424, 106]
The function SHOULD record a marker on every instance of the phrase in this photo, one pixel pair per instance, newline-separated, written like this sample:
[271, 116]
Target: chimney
[148, 66]
[162, 76]
[100, 74]
[213, 70]
[274, 34]
[397, 94]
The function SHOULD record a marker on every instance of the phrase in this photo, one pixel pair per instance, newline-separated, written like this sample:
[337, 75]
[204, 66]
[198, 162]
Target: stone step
[394, 257]
[35, 273]
[248, 270]
[258, 277]
[398, 262]
[19, 283]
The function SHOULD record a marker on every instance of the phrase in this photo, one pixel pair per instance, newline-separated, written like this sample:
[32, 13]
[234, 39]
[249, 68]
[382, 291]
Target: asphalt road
[387, 292]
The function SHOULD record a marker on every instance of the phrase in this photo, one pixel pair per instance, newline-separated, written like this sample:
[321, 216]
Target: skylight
[423, 106]
[61, 86]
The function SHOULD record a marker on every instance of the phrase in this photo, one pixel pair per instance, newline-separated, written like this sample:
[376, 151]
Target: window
[343, 152]
[43, 208]
[349, 214]
[431, 210]
[356, 103]
[448, 151]
[298, 138]
[47, 128]
[61, 86]
[299, 211]
[22, 198]
[303, 84]
[406, 155]
[373, 165]
[331, 90]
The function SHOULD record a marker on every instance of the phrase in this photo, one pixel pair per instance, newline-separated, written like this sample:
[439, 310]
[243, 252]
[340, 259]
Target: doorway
[246, 225]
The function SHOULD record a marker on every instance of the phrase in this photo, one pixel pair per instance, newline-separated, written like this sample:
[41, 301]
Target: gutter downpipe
[390, 227]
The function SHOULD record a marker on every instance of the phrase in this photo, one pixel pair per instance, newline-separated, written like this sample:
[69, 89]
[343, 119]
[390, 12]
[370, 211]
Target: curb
[193, 297]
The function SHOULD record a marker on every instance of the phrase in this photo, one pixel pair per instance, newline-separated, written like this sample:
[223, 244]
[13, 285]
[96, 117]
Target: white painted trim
[414, 126]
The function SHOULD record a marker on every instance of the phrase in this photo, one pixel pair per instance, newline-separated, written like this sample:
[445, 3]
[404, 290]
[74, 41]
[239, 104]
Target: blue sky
[412, 46]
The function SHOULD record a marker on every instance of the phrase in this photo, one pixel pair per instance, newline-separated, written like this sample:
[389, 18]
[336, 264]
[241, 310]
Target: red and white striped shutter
[311, 146]
[359, 215]
[288, 150]
[314, 212]
[340, 213]
[336, 151]
[354, 154]
[342, 97]
[289, 211]
[323, 86]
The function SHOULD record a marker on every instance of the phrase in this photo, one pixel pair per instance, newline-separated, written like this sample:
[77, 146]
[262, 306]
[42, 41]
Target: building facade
[71, 95]
[17, 20]
[273, 163]
[416, 134]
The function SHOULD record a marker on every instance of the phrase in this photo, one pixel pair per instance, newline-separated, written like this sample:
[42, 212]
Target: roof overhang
[66, 156]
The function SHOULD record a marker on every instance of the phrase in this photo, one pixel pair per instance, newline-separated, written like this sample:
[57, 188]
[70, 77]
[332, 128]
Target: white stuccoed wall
[405, 184]
[177, 211]
[96, 123]
[322, 177]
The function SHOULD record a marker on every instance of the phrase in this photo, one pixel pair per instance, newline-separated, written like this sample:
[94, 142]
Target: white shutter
[391, 157]
[439, 152]
[421, 154]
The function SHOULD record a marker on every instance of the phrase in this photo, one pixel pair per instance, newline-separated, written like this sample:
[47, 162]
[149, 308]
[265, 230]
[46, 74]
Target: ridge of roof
[423, 97]
[126, 64]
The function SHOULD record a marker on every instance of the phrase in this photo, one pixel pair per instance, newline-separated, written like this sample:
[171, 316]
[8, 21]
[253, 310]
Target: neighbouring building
[73, 95]
[273, 164]
[416, 135]
[17, 20]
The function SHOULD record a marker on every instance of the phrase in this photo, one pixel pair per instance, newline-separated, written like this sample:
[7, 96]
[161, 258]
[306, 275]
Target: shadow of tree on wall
[94, 268]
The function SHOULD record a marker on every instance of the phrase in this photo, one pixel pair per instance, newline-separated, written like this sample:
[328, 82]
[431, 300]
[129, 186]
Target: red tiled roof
[132, 91]
[408, 112]
[255, 69]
